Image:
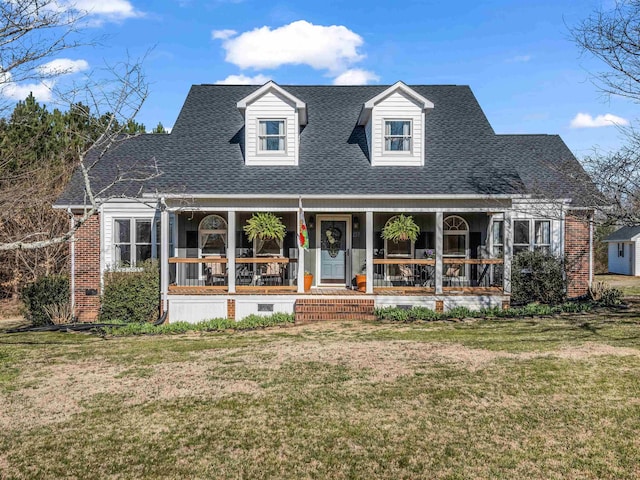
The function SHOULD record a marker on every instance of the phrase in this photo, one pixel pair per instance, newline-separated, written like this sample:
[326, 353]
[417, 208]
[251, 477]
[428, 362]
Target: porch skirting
[311, 307]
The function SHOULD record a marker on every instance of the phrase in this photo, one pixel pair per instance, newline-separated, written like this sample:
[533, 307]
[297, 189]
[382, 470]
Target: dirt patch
[61, 390]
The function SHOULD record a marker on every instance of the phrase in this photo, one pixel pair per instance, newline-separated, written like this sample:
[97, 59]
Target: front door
[334, 240]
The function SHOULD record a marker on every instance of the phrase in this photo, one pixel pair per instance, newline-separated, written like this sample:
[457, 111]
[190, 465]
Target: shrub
[416, 314]
[537, 277]
[45, 291]
[604, 294]
[213, 325]
[132, 296]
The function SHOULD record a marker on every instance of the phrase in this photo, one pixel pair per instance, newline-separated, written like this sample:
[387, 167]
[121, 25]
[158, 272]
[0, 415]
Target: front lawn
[535, 398]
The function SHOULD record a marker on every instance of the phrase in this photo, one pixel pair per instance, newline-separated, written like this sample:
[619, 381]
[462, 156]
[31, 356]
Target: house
[353, 157]
[624, 251]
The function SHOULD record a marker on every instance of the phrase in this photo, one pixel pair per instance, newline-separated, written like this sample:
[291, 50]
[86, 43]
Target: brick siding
[87, 266]
[576, 251]
[231, 309]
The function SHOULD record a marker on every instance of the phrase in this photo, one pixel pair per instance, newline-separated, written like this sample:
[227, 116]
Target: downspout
[590, 250]
[164, 254]
[72, 222]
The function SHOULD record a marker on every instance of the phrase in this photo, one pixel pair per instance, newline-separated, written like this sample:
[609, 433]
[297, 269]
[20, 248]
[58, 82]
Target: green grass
[535, 398]
[629, 285]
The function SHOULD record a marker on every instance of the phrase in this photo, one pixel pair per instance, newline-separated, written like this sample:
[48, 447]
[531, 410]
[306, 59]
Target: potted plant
[265, 226]
[361, 279]
[401, 228]
[308, 281]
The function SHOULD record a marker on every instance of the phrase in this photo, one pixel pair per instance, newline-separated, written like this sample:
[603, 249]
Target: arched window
[456, 237]
[212, 234]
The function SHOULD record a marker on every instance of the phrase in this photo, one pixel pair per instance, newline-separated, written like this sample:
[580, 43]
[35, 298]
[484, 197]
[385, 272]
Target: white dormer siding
[397, 107]
[271, 106]
[284, 114]
[394, 127]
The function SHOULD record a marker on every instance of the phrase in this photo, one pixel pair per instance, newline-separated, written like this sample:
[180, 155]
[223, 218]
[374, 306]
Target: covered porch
[464, 248]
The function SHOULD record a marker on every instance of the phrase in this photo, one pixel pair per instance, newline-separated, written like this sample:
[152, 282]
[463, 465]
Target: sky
[517, 56]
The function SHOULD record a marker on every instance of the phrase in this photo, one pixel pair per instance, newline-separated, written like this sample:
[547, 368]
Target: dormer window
[272, 135]
[397, 135]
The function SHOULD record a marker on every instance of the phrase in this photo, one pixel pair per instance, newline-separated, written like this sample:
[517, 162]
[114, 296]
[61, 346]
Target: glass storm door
[334, 236]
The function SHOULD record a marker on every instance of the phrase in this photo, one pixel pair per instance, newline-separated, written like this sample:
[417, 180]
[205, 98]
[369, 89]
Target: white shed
[624, 251]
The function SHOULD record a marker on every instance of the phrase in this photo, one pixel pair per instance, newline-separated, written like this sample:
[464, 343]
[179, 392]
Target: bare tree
[613, 37]
[106, 107]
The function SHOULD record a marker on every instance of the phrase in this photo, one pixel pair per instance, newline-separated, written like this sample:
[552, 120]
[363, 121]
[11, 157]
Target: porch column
[300, 254]
[231, 251]
[508, 251]
[439, 250]
[369, 250]
[164, 257]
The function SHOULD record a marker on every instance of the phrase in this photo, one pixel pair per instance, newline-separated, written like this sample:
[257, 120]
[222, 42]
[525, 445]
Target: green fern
[400, 228]
[266, 226]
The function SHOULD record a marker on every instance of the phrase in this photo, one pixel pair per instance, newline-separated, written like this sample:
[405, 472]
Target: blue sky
[517, 56]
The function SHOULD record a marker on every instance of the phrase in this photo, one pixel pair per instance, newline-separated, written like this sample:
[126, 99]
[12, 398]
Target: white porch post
[508, 251]
[369, 250]
[300, 254]
[164, 256]
[231, 251]
[439, 250]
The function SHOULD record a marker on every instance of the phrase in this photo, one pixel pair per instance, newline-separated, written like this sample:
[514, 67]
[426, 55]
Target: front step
[325, 309]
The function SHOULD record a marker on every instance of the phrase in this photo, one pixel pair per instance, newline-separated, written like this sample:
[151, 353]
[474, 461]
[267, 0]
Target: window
[132, 241]
[397, 135]
[521, 237]
[213, 236]
[542, 238]
[498, 238]
[456, 236]
[271, 136]
[621, 249]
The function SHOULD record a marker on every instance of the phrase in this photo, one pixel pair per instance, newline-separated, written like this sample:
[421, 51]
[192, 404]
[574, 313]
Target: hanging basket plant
[401, 228]
[265, 226]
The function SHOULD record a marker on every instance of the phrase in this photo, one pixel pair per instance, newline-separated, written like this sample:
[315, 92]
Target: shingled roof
[463, 155]
[624, 234]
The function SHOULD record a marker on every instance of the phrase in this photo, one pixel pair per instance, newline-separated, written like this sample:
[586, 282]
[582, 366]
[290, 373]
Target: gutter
[72, 253]
[333, 196]
[591, 250]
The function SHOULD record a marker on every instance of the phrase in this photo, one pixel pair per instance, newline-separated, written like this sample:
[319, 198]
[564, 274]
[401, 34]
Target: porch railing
[472, 273]
[274, 273]
[396, 273]
[208, 273]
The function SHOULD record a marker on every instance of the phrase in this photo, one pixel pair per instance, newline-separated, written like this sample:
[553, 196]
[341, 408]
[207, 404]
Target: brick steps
[327, 309]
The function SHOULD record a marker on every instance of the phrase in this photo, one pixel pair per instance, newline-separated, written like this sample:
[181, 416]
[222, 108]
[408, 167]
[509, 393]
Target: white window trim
[219, 231]
[132, 242]
[271, 153]
[399, 153]
[532, 245]
[536, 245]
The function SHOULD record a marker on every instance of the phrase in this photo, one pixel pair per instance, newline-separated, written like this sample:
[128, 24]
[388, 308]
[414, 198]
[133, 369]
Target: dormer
[394, 126]
[272, 121]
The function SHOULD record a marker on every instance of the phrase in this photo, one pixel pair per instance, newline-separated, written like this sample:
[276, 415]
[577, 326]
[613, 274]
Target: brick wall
[231, 309]
[87, 266]
[576, 250]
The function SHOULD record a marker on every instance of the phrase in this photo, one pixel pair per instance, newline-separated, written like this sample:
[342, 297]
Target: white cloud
[99, 11]
[244, 80]
[13, 91]
[519, 58]
[63, 66]
[222, 34]
[584, 120]
[332, 48]
[356, 76]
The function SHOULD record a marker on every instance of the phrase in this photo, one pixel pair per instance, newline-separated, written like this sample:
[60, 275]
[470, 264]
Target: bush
[604, 294]
[537, 277]
[417, 314]
[214, 325]
[132, 296]
[44, 292]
